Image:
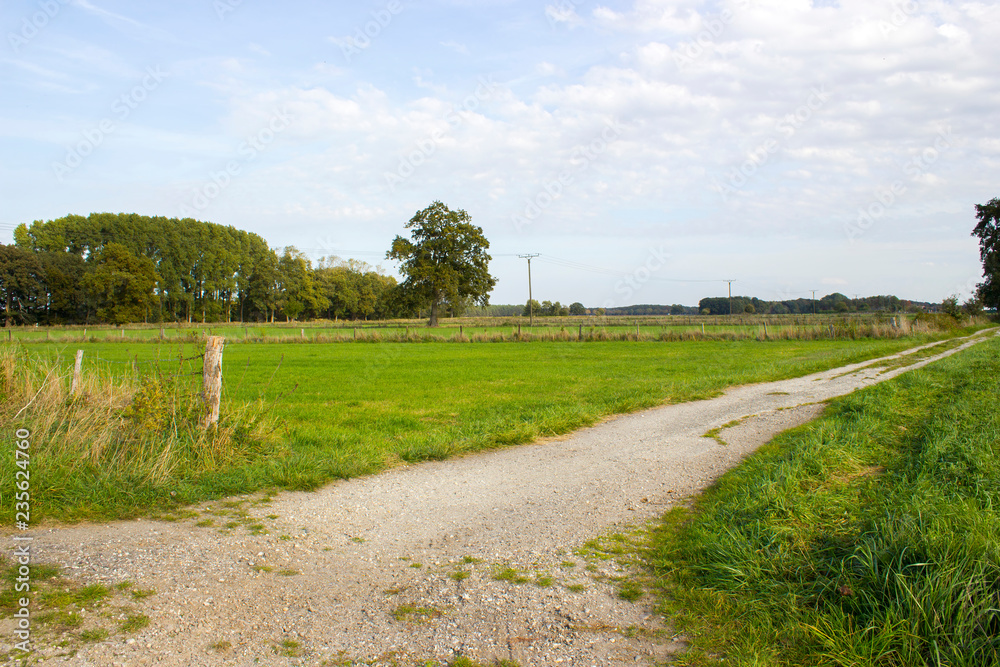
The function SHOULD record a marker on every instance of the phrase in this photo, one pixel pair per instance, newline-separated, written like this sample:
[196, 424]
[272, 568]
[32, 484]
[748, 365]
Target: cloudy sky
[643, 149]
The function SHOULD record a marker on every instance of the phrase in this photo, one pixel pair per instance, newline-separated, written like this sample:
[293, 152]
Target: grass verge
[868, 537]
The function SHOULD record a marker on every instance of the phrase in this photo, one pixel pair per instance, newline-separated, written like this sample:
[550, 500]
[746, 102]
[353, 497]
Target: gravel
[399, 568]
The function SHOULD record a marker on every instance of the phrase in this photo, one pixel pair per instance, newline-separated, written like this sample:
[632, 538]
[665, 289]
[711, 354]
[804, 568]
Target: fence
[211, 384]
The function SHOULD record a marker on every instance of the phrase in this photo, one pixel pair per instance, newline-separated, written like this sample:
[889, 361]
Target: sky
[647, 151]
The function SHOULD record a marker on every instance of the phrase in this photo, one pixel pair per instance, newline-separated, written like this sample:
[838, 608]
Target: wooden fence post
[212, 379]
[74, 387]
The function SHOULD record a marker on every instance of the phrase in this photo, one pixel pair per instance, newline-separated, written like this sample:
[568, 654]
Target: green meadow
[870, 536]
[297, 416]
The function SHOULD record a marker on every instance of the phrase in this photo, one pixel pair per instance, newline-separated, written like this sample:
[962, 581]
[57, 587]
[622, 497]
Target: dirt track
[336, 575]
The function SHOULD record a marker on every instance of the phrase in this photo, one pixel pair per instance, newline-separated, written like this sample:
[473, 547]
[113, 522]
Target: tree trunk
[434, 314]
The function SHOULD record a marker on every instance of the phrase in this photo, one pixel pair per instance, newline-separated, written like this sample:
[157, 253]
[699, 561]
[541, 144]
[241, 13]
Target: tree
[950, 306]
[973, 306]
[576, 308]
[298, 288]
[122, 285]
[21, 287]
[532, 307]
[988, 231]
[446, 259]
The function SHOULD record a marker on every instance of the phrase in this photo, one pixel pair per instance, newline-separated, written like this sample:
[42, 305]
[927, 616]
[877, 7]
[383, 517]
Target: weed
[510, 574]
[289, 648]
[409, 614]
[134, 623]
[95, 635]
[630, 591]
[465, 662]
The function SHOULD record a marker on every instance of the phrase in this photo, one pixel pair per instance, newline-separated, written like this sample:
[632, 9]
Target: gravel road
[401, 567]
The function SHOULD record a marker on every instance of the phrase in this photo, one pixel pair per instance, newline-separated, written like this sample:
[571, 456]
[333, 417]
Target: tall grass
[869, 537]
[466, 330]
[128, 440]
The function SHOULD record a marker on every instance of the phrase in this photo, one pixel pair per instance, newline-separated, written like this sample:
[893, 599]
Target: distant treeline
[122, 268]
[651, 309]
[831, 303]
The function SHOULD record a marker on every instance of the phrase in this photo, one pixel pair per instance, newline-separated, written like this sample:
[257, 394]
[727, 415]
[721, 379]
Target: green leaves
[988, 231]
[446, 260]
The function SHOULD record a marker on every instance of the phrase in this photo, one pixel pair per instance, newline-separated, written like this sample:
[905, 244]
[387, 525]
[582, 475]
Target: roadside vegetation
[870, 536]
[298, 416]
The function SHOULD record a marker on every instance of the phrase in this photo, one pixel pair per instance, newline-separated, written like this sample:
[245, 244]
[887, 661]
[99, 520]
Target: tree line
[831, 303]
[120, 268]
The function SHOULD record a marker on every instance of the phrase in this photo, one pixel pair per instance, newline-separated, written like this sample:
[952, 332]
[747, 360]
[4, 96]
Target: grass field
[296, 416]
[868, 537]
[504, 329]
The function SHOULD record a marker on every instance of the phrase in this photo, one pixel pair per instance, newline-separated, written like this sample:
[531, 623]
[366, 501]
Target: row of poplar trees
[121, 268]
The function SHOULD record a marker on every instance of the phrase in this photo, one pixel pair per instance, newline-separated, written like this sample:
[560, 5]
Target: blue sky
[641, 148]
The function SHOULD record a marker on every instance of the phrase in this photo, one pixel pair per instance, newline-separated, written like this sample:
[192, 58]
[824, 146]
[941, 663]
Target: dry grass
[137, 432]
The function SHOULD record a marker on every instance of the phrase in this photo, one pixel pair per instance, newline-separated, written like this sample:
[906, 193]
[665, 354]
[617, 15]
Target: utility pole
[814, 301]
[531, 314]
[730, 296]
